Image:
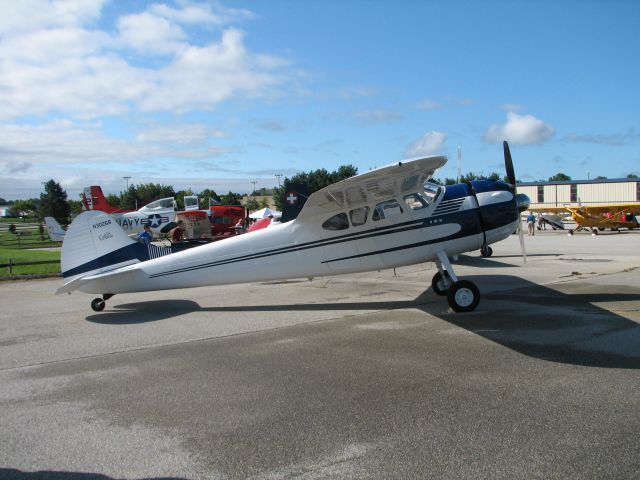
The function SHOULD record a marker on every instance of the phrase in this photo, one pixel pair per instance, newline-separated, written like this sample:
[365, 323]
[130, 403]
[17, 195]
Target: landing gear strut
[462, 295]
[98, 304]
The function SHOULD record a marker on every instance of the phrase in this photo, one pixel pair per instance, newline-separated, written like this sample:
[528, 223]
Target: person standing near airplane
[531, 222]
[145, 236]
[177, 233]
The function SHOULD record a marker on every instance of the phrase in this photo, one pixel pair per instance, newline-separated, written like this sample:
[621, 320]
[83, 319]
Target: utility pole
[127, 179]
[459, 160]
[253, 182]
[278, 175]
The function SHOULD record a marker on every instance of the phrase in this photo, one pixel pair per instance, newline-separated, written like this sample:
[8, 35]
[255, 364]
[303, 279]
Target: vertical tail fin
[95, 243]
[94, 199]
[56, 232]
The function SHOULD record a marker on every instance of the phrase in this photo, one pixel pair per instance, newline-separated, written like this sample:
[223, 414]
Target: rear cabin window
[387, 209]
[359, 216]
[337, 222]
[415, 201]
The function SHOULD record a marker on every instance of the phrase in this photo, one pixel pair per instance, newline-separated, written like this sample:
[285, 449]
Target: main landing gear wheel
[97, 304]
[440, 284]
[486, 251]
[463, 296]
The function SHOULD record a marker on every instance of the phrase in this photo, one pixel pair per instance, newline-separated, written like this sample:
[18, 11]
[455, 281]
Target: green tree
[314, 181]
[468, 177]
[24, 208]
[179, 196]
[263, 203]
[231, 199]
[632, 175]
[252, 205]
[139, 195]
[3, 201]
[207, 194]
[76, 207]
[560, 177]
[114, 200]
[53, 203]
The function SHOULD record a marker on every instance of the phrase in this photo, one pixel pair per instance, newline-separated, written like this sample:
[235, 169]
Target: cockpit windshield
[163, 203]
[431, 191]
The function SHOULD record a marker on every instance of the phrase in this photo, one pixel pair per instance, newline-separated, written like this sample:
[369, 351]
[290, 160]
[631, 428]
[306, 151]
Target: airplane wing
[610, 208]
[549, 209]
[373, 186]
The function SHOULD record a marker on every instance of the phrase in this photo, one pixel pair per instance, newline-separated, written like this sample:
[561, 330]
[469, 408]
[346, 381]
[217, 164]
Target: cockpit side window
[337, 222]
[387, 209]
[359, 216]
[415, 202]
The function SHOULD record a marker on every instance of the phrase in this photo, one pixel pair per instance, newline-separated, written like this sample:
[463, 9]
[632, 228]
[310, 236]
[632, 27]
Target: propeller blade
[508, 164]
[511, 176]
[521, 235]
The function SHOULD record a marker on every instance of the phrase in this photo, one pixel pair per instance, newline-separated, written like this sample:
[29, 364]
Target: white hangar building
[581, 192]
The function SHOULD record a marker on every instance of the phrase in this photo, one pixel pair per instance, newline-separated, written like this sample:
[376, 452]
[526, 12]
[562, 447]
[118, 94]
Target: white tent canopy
[264, 213]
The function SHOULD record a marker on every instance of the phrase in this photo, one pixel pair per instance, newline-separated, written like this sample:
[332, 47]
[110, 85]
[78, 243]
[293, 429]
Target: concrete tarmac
[357, 376]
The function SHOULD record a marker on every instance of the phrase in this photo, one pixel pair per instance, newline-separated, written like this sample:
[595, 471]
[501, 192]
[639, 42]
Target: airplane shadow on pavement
[563, 325]
[14, 474]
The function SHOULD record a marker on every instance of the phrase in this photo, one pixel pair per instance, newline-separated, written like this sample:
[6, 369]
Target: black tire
[438, 284]
[97, 304]
[167, 228]
[463, 296]
[486, 251]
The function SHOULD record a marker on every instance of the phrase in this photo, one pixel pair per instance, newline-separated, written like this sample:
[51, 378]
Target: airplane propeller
[522, 200]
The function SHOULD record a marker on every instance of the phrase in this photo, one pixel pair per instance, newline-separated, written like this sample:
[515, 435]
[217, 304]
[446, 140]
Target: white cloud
[63, 66]
[147, 33]
[431, 143]
[192, 13]
[520, 130]
[179, 134]
[30, 15]
[58, 61]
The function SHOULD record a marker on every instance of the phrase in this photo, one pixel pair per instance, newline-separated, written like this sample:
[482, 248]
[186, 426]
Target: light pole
[253, 192]
[127, 179]
[278, 175]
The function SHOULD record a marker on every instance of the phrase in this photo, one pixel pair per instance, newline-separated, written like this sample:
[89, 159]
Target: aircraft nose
[523, 202]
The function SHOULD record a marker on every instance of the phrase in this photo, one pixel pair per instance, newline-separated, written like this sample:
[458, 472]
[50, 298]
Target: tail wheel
[463, 296]
[440, 283]
[97, 304]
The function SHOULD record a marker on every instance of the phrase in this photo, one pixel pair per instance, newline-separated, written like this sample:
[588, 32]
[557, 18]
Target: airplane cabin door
[340, 248]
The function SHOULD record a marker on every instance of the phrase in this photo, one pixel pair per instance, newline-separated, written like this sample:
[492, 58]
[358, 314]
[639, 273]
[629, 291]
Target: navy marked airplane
[158, 214]
[389, 217]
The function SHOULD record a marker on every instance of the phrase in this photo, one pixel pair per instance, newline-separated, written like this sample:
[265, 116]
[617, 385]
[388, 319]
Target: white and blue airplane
[389, 217]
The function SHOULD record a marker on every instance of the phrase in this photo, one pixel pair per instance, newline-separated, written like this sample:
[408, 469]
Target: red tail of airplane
[94, 199]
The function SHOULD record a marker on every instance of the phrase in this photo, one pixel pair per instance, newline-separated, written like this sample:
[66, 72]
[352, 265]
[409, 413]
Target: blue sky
[202, 94]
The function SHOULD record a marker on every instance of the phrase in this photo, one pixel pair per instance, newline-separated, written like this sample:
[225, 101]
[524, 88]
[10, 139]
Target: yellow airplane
[613, 216]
